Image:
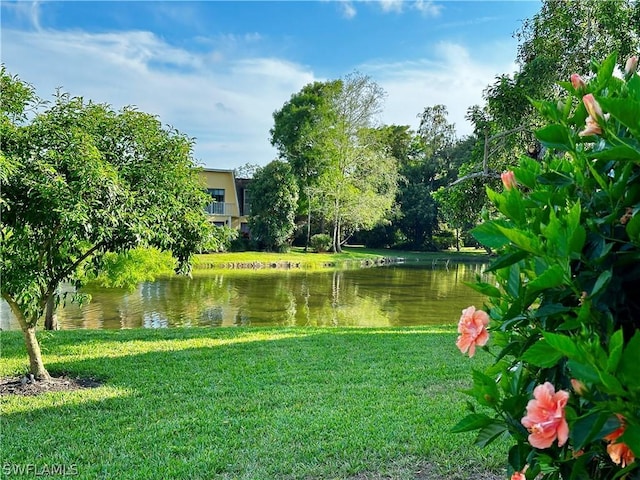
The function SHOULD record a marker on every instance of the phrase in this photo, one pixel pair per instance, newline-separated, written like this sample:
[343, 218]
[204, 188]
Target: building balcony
[221, 208]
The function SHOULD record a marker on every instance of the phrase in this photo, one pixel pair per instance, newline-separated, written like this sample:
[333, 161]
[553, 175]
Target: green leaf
[523, 239]
[527, 171]
[625, 110]
[605, 70]
[555, 178]
[628, 366]
[585, 428]
[577, 240]
[473, 421]
[633, 85]
[485, 389]
[563, 344]
[541, 354]
[507, 260]
[633, 228]
[619, 152]
[583, 372]
[518, 456]
[554, 136]
[489, 234]
[489, 433]
[631, 437]
[601, 282]
[615, 351]
[611, 384]
[513, 282]
[550, 278]
[484, 288]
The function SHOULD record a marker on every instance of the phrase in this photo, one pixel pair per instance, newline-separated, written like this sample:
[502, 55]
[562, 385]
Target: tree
[427, 167]
[87, 180]
[360, 182]
[561, 39]
[274, 199]
[298, 133]
[344, 174]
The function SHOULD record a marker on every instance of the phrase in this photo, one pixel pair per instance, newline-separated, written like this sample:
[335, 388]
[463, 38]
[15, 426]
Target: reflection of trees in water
[397, 295]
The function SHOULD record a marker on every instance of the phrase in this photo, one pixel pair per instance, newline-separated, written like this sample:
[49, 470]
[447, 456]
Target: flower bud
[577, 82]
[591, 128]
[579, 387]
[631, 66]
[509, 180]
[593, 107]
[628, 215]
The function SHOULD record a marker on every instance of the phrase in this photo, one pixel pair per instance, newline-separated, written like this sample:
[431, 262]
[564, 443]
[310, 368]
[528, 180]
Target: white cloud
[28, 12]
[453, 78]
[391, 5]
[428, 8]
[222, 97]
[348, 10]
[226, 104]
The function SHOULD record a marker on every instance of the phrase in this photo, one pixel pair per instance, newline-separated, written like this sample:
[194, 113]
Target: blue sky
[217, 70]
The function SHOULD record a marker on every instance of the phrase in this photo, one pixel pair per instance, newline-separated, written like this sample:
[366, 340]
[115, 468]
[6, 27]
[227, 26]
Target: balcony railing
[221, 208]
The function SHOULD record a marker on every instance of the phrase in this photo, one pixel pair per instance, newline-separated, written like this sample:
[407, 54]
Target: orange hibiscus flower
[545, 418]
[472, 328]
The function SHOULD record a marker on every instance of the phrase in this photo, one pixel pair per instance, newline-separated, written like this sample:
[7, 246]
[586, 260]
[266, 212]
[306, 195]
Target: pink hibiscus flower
[545, 418]
[472, 328]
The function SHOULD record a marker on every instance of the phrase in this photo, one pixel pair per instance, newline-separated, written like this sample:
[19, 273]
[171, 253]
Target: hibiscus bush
[563, 311]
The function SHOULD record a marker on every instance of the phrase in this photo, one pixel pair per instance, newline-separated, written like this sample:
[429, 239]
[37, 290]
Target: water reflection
[399, 295]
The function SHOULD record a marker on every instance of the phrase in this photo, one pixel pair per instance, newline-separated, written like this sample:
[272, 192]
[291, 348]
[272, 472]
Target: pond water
[409, 294]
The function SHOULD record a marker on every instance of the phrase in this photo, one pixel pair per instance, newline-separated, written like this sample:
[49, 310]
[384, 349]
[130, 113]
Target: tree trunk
[338, 237]
[50, 318]
[306, 245]
[36, 366]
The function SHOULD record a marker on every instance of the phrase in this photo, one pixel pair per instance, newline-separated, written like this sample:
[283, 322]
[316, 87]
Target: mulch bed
[28, 387]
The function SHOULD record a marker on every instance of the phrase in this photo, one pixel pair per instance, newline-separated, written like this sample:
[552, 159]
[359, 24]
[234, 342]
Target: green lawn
[248, 403]
[351, 255]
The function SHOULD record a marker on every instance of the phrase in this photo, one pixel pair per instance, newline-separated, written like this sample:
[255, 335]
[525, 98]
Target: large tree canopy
[84, 180]
[345, 175]
[561, 39]
[274, 194]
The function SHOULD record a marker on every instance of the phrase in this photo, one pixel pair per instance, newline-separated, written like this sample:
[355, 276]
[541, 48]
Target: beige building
[229, 198]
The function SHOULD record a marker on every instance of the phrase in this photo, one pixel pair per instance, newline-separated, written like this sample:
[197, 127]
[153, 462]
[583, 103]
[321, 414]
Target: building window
[246, 202]
[244, 228]
[217, 206]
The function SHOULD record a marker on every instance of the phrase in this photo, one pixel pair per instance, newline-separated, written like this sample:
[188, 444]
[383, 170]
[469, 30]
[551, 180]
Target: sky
[218, 70]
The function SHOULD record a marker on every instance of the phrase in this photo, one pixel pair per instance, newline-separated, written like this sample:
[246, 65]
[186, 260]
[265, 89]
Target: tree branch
[475, 175]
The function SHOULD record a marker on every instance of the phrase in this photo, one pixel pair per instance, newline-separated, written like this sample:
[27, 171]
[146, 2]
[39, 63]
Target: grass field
[248, 403]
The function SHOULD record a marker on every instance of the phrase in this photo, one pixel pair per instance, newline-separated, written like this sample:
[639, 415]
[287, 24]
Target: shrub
[220, 239]
[564, 311]
[444, 240]
[321, 242]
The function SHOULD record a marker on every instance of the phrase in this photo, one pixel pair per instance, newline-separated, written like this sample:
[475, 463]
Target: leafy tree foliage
[561, 39]
[427, 166]
[324, 133]
[299, 134]
[274, 194]
[86, 180]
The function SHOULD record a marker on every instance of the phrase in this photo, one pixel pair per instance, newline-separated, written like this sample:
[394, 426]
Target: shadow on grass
[315, 404]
